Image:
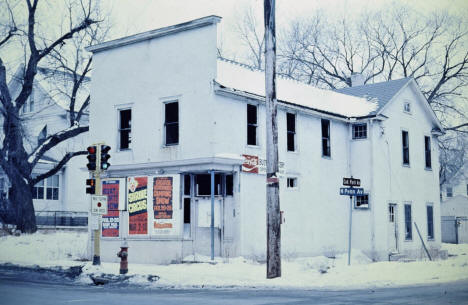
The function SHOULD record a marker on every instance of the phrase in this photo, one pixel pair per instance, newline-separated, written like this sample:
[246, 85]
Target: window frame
[295, 185]
[252, 125]
[45, 187]
[326, 138]
[427, 153]
[367, 205]
[172, 123]
[447, 188]
[120, 129]
[408, 222]
[407, 148]
[430, 221]
[52, 188]
[354, 131]
[292, 133]
[405, 110]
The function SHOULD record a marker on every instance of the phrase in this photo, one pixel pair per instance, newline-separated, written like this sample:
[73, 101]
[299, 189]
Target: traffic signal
[91, 186]
[105, 156]
[92, 150]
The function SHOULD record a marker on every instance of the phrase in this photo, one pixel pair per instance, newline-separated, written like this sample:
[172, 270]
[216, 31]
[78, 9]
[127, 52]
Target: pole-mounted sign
[99, 205]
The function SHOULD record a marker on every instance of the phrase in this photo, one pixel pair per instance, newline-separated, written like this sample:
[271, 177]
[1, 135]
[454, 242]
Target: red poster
[110, 221]
[250, 164]
[162, 197]
[137, 208]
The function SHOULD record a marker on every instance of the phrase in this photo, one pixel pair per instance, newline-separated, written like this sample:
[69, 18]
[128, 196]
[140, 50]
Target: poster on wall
[163, 204]
[137, 205]
[111, 220]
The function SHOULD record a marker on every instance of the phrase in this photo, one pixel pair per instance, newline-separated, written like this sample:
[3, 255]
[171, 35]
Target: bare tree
[42, 46]
[251, 34]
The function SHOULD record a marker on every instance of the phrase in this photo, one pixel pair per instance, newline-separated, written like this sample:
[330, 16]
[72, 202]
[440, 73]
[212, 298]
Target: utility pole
[97, 232]
[272, 183]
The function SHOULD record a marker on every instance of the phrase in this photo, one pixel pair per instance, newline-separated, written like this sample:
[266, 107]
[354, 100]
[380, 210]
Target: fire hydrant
[123, 254]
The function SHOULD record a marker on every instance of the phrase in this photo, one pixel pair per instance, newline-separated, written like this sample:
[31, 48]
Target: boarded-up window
[125, 128]
[172, 123]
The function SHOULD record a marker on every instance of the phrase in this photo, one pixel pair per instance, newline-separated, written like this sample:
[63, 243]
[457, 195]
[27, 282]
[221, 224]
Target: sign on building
[163, 204]
[255, 165]
[137, 205]
[351, 182]
[111, 220]
[98, 204]
[349, 191]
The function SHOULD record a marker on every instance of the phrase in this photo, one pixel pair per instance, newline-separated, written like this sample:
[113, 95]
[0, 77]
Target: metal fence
[62, 219]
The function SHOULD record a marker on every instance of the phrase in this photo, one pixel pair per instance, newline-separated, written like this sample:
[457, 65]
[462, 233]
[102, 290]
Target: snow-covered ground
[69, 248]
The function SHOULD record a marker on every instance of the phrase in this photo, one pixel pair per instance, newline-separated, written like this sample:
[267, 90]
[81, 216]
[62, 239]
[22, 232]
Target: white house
[174, 112]
[47, 112]
[454, 208]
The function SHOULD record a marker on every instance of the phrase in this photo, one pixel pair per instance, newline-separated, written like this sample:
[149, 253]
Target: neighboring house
[454, 208]
[46, 112]
[174, 113]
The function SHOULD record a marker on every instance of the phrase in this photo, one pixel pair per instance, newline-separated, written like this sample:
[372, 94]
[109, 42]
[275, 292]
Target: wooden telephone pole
[272, 189]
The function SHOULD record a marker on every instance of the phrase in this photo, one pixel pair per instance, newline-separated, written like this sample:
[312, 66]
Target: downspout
[372, 187]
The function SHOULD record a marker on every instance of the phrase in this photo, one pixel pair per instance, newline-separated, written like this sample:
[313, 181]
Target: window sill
[293, 151]
[359, 139]
[170, 145]
[406, 165]
[252, 146]
[408, 240]
[124, 149]
[431, 239]
[326, 157]
[429, 169]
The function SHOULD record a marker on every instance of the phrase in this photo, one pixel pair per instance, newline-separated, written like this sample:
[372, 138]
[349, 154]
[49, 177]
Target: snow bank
[65, 248]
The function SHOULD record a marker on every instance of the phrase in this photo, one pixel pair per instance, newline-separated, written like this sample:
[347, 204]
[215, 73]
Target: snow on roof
[243, 78]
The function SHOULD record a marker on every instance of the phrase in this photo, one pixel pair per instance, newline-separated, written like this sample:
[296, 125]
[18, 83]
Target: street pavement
[27, 287]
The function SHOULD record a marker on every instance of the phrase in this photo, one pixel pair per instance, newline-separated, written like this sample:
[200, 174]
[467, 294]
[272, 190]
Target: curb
[69, 272]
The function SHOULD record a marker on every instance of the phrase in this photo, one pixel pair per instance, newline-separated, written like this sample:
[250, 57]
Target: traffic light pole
[97, 232]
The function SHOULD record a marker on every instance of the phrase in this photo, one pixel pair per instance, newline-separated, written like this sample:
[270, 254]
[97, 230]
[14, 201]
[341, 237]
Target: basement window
[171, 123]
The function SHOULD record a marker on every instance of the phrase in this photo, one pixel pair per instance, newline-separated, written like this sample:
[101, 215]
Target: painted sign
[163, 204]
[349, 191]
[137, 205]
[255, 165]
[110, 221]
[351, 182]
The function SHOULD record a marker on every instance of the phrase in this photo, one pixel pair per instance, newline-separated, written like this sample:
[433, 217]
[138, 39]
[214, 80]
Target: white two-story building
[173, 112]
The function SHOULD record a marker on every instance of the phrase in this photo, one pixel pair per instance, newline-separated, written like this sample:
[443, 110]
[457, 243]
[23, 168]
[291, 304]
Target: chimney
[357, 79]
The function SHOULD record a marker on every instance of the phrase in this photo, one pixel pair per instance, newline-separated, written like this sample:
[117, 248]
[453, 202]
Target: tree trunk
[21, 198]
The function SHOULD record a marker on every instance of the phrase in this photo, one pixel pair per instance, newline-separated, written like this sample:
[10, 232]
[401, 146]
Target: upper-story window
[171, 123]
[326, 148]
[449, 190]
[252, 124]
[427, 152]
[125, 128]
[407, 107]
[360, 131]
[291, 182]
[405, 146]
[42, 136]
[291, 131]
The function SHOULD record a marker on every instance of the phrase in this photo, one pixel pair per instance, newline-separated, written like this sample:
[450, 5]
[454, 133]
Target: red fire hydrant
[123, 254]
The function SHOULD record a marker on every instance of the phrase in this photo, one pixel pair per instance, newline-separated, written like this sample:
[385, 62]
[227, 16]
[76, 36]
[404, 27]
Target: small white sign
[99, 204]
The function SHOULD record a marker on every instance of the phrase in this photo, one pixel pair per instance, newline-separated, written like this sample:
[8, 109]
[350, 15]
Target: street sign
[99, 204]
[350, 191]
[351, 182]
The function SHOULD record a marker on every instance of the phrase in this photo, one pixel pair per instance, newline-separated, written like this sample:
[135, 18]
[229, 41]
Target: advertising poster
[137, 209]
[163, 204]
[110, 221]
[255, 165]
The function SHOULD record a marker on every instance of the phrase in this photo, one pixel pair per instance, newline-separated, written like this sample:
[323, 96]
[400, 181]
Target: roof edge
[169, 30]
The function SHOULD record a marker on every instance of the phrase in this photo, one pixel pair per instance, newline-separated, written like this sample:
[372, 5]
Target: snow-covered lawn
[68, 249]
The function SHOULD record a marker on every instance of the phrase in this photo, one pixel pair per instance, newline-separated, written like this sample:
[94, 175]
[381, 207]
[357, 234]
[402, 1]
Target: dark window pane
[125, 118]
[125, 139]
[186, 210]
[251, 114]
[427, 148]
[55, 193]
[251, 135]
[172, 133]
[187, 185]
[430, 222]
[405, 144]
[172, 112]
[326, 147]
[229, 185]
[40, 193]
[291, 146]
[291, 122]
[49, 193]
[325, 128]
[408, 225]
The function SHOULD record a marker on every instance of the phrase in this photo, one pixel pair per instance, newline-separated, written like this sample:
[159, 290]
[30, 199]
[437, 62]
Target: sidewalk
[67, 249]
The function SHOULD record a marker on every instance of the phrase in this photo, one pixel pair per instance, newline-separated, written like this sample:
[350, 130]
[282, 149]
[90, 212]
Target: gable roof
[242, 79]
[381, 93]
